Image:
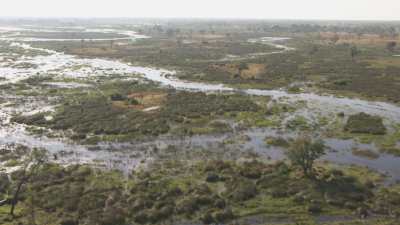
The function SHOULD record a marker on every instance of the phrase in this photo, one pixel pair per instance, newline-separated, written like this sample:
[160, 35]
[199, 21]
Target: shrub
[341, 82]
[188, 205]
[294, 89]
[36, 119]
[220, 203]
[207, 218]
[298, 122]
[243, 191]
[117, 97]
[314, 208]
[252, 170]
[133, 101]
[212, 177]
[217, 166]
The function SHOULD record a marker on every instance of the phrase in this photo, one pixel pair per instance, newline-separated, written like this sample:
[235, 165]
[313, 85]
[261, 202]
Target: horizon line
[201, 18]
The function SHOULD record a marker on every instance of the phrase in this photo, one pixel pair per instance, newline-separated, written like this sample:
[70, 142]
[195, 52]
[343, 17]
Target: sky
[256, 9]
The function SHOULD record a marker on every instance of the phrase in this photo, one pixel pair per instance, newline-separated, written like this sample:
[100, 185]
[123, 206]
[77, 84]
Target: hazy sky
[269, 9]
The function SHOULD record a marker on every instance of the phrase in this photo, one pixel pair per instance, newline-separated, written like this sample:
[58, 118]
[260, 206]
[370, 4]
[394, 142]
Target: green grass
[12, 163]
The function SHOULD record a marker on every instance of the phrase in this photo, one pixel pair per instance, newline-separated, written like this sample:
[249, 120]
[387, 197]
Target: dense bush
[192, 105]
[364, 123]
[81, 195]
[97, 115]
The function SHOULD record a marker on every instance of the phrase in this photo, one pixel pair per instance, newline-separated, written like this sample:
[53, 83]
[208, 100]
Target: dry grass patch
[142, 101]
[382, 63]
[253, 70]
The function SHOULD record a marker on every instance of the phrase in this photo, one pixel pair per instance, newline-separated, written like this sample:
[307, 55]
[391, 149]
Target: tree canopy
[304, 151]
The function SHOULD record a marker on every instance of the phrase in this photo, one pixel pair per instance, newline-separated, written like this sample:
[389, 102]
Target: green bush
[364, 123]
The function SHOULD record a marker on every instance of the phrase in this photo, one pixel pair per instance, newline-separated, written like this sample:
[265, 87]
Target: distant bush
[117, 97]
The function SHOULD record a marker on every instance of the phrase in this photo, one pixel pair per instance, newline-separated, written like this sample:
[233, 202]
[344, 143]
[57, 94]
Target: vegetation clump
[299, 123]
[365, 124]
[188, 111]
[192, 105]
[365, 153]
[277, 141]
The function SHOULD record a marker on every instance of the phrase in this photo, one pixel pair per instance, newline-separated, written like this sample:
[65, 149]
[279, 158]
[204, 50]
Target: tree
[354, 52]
[391, 45]
[31, 165]
[303, 152]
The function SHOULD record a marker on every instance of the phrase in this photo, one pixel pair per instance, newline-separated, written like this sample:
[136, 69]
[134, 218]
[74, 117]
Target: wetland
[166, 124]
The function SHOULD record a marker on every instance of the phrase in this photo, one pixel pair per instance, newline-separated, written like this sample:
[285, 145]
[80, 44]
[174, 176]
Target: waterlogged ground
[38, 34]
[192, 139]
[20, 61]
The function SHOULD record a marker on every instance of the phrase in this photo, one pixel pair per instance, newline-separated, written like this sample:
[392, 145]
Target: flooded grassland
[108, 113]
